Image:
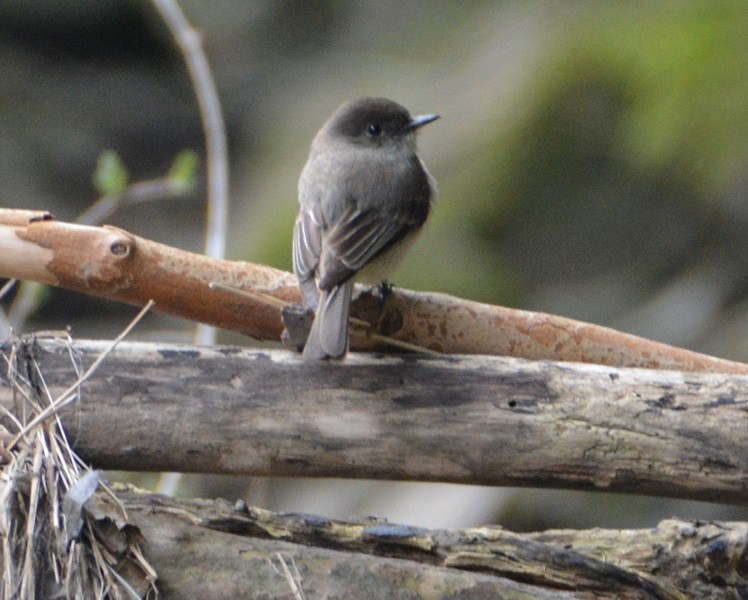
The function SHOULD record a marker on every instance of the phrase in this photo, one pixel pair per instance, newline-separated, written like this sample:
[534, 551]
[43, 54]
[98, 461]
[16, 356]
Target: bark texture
[478, 420]
[211, 549]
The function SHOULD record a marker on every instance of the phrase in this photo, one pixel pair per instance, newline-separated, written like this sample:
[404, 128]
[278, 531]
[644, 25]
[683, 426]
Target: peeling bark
[112, 263]
[210, 549]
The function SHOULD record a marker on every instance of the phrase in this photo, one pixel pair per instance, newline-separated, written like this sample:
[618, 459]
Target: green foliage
[632, 130]
[685, 69]
[110, 177]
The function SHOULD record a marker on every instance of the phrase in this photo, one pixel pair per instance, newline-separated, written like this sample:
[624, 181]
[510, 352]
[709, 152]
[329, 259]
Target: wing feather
[359, 236]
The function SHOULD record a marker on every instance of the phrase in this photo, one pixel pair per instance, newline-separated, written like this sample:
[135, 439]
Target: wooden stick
[479, 420]
[110, 262]
[676, 560]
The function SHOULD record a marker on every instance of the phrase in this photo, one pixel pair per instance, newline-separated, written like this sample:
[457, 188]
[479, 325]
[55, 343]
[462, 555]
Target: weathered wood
[109, 262]
[479, 420]
[210, 549]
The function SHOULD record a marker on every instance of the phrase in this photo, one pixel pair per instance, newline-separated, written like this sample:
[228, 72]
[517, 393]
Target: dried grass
[63, 533]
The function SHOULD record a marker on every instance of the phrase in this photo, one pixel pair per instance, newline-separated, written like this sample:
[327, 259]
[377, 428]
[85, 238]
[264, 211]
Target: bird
[363, 195]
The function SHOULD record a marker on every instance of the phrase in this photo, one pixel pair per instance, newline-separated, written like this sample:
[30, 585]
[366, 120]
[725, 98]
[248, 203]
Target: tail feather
[328, 337]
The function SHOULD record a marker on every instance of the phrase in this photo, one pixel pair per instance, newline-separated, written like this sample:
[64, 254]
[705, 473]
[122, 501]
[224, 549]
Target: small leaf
[110, 177]
[183, 171]
[72, 503]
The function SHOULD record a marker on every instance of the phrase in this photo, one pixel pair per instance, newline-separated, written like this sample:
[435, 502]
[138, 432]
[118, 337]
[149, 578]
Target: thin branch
[293, 579]
[189, 41]
[135, 193]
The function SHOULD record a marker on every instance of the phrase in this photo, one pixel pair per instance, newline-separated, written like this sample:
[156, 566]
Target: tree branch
[112, 263]
[240, 547]
[478, 420]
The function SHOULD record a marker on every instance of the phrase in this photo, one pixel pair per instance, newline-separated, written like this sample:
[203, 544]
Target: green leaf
[110, 177]
[183, 171]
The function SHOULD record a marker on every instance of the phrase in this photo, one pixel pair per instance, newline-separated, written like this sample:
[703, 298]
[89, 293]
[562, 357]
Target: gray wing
[361, 235]
[307, 249]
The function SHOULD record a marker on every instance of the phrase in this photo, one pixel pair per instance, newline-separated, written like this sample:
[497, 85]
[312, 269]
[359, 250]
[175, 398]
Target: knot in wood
[391, 321]
[120, 248]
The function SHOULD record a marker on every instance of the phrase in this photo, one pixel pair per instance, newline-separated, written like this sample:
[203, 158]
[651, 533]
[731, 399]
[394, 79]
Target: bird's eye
[373, 130]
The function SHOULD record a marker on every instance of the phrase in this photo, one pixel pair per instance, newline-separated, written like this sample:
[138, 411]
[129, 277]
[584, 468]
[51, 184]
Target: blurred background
[591, 159]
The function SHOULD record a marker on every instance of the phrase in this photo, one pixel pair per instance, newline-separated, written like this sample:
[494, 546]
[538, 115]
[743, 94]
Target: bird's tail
[328, 337]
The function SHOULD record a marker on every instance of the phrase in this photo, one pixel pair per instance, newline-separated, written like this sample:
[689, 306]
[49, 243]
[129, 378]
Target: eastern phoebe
[363, 194]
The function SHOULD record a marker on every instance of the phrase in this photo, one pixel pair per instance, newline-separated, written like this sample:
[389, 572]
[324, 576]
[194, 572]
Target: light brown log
[479, 420]
[110, 262]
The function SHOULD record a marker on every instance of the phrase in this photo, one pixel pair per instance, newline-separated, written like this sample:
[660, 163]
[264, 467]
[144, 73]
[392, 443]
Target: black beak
[420, 121]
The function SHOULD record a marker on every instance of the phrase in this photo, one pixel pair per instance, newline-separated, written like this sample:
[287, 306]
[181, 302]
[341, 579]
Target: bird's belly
[379, 269]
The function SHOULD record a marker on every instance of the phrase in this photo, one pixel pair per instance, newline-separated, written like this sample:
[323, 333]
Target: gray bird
[363, 194]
